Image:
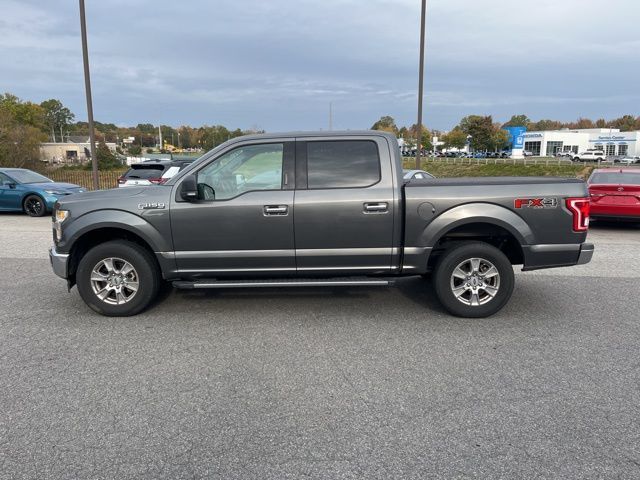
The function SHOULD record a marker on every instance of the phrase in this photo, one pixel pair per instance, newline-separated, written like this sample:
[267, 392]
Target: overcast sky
[277, 64]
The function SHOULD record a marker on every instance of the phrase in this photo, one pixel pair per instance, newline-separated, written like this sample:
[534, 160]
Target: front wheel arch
[93, 238]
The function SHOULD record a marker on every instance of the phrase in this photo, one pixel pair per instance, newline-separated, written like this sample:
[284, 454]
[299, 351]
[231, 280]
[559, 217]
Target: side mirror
[189, 188]
[9, 184]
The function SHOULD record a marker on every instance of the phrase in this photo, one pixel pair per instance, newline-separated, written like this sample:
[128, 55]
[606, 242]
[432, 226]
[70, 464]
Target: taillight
[158, 181]
[579, 207]
[121, 180]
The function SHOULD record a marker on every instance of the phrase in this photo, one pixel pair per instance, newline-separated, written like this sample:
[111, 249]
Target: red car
[615, 193]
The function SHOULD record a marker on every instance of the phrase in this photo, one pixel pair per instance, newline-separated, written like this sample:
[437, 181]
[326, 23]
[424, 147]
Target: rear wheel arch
[478, 230]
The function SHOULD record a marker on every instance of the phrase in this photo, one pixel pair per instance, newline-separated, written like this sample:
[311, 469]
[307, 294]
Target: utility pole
[87, 88]
[420, 84]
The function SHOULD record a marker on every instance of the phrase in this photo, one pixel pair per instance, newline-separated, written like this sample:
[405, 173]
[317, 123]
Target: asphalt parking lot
[356, 383]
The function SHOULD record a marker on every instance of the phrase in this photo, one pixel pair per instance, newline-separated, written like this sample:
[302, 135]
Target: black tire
[487, 305]
[145, 272]
[34, 206]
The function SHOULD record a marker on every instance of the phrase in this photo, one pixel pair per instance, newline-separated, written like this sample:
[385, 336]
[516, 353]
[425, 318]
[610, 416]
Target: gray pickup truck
[316, 209]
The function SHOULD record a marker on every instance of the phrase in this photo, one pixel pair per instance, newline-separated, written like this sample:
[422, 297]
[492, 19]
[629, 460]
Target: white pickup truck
[589, 156]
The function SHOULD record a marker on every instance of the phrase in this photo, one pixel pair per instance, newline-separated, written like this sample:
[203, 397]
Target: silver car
[411, 174]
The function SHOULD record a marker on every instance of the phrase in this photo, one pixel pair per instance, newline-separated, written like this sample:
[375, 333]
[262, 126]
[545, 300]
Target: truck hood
[116, 198]
[58, 186]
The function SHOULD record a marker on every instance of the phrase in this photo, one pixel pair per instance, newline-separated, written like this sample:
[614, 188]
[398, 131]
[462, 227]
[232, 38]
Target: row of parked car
[412, 153]
[599, 156]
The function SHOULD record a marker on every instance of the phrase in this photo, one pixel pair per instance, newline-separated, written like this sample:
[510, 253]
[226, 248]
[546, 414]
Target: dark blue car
[30, 192]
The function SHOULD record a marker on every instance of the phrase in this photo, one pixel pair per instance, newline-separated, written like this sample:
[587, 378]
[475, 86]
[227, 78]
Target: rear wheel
[34, 206]
[118, 278]
[473, 279]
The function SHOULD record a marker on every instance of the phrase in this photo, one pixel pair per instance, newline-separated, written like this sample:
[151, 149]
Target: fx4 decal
[535, 202]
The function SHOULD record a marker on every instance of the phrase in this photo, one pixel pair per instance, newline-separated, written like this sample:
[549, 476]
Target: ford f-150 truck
[316, 209]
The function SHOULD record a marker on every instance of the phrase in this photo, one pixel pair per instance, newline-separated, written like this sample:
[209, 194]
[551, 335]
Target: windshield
[27, 176]
[614, 178]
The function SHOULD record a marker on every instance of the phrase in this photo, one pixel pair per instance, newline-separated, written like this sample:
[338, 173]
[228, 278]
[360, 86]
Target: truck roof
[320, 133]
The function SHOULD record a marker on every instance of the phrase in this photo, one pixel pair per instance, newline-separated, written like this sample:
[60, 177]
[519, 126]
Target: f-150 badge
[150, 206]
[535, 202]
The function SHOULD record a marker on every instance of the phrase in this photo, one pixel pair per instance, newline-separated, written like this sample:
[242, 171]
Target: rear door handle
[376, 207]
[279, 210]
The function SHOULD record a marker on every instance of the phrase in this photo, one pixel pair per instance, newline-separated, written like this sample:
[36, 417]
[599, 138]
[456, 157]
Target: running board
[276, 283]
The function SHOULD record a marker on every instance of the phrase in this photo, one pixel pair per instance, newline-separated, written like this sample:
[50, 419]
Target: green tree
[626, 123]
[481, 130]
[386, 124]
[583, 123]
[134, 149]
[426, 141]
[57, 117]
[518, 121]
[24, 113]
[500, 138]
[19, 143]
[456, 138]
[545, 125]
[146, 128]
[106, 159]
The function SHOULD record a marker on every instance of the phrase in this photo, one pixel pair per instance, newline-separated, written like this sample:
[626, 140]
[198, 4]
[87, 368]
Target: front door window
[244, 169]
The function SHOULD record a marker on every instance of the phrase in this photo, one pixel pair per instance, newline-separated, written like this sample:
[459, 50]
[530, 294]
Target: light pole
[420, 83]
[87, 87]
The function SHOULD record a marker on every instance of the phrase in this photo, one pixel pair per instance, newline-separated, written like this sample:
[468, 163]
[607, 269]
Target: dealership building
[610, 140]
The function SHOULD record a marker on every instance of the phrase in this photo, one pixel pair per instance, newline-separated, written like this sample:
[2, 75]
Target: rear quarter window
[342, 164]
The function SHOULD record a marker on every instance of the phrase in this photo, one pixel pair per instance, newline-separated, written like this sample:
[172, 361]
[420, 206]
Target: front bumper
[59, 263]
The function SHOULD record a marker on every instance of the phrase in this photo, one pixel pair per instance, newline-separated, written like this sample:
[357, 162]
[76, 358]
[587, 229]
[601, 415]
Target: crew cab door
[242, 221]
[344, 205]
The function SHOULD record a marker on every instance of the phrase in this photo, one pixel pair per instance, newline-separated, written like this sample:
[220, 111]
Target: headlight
[55, 192]
[61, 215]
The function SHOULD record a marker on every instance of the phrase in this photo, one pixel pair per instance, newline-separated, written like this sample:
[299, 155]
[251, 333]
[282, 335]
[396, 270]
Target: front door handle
[376, 207]
[279, 210]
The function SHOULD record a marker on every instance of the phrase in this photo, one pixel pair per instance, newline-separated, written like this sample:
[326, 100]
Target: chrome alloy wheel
[475, 281]
[114, 281]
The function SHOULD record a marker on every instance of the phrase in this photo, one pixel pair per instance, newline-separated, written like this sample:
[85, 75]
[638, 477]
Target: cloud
[279, 64]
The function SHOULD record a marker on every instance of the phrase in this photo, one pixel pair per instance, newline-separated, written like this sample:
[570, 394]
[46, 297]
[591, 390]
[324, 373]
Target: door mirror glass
[189, 189]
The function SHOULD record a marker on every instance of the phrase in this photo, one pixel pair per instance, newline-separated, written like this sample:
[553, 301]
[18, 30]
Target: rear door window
[342, 164]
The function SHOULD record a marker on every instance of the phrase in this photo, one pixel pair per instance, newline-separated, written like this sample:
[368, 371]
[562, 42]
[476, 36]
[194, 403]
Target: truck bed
[469, 181]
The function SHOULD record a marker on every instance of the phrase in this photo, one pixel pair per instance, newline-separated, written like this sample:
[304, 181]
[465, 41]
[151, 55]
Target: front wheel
[118, 278]
[473, 279]
[34, 206]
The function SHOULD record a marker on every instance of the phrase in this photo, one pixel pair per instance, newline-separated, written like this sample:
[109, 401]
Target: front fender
[476, 213]
[120, 219]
